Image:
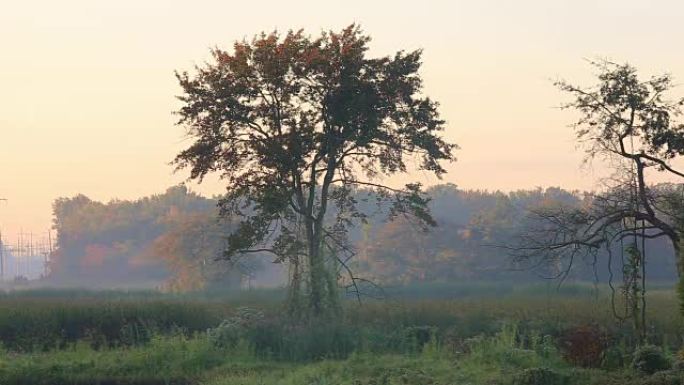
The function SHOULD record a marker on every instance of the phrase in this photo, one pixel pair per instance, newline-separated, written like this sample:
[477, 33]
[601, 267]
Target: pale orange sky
[87, 87]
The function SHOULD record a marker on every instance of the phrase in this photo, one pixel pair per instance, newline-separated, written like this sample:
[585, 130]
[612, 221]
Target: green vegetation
[294, 124]
[522, 336]
[170, 240]
[304, 131]
[39, 325]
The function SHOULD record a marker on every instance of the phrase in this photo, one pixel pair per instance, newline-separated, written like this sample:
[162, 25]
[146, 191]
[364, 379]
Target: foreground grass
[168, 360]
[33, 321]
[193, 361]
[86, 338]
[177, 360]
[357, 370]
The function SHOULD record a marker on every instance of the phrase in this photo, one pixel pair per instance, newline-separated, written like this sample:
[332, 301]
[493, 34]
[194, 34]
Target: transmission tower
[2, 252]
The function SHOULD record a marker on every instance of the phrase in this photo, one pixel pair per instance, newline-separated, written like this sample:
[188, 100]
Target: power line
[24, 254]
[2, 252]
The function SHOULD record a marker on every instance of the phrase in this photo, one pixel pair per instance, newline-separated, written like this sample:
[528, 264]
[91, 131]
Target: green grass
[498, 359]
[164, 360]
[41, 320]
[481, 336]
[181, 360]
[38, 324]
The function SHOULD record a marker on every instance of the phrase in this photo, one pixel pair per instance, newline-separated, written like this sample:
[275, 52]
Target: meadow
[428, 334]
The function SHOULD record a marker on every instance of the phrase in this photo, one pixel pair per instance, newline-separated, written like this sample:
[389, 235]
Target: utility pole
[2, 252]
[2, 259]
[19, 256]
[29, 257]
[48, 254]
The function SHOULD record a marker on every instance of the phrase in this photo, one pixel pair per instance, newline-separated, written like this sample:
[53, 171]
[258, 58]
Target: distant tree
[401, 254]
[172, 237]
[190, 247]
[294, 124]
[629, 122]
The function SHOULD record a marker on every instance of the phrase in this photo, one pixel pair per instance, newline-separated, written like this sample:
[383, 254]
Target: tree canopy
[170, 239]
[294, 124]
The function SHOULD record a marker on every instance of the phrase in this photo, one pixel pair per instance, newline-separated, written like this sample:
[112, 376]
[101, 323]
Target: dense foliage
[467, 243]
[294, 124]
[172, 239]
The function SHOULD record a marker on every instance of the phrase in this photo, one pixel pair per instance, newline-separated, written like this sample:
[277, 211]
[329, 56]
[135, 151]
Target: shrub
[614, 358]
[540, 376]
[678, 364]
[649, 359]
[226, 335]
[584, 346]
[282, 339]
[505, 350]
[454, 342]
[334, 340]
[666, 377]
[231, 330]
[42, 324]
[680, 354]
[416, 337]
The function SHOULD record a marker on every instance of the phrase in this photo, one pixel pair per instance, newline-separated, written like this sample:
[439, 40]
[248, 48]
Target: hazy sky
[87, 87]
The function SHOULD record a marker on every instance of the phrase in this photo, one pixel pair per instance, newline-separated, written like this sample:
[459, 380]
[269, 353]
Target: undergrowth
[150, 340]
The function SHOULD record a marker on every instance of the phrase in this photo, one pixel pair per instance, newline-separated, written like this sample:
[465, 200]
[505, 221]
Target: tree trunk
[679, 255]
[678, 244]
[316, 278]
[294, 301]
[323, 292]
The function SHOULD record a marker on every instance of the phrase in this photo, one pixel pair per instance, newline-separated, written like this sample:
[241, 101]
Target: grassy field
[470, 334]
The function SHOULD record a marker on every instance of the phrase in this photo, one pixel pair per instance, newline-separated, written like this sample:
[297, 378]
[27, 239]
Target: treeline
[173, 240]
[176, 240]
[470, 242]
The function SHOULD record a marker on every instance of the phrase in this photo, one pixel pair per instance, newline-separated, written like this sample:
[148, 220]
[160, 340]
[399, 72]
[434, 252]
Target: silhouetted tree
[293, 124]
[629, 122]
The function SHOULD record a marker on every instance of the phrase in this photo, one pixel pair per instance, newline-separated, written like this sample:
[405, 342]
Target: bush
[650, 359]
[614, 358]
[540, 376]
[678, 364]
[43, 324]
[168, 360]
[416, 337]
[584, 346]
[507, 350]
[281, 340]
[667, 377]
[231, 330]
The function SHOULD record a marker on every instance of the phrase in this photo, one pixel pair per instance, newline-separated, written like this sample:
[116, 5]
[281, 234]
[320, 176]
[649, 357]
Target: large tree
[294, 124]
[630, 123]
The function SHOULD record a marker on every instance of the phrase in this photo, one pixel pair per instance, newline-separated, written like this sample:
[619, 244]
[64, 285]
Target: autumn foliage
[170, 240]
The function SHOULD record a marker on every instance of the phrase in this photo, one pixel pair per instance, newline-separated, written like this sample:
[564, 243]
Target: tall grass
[148, 338]
[165, 360]
[42, 320]
[40, 325]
